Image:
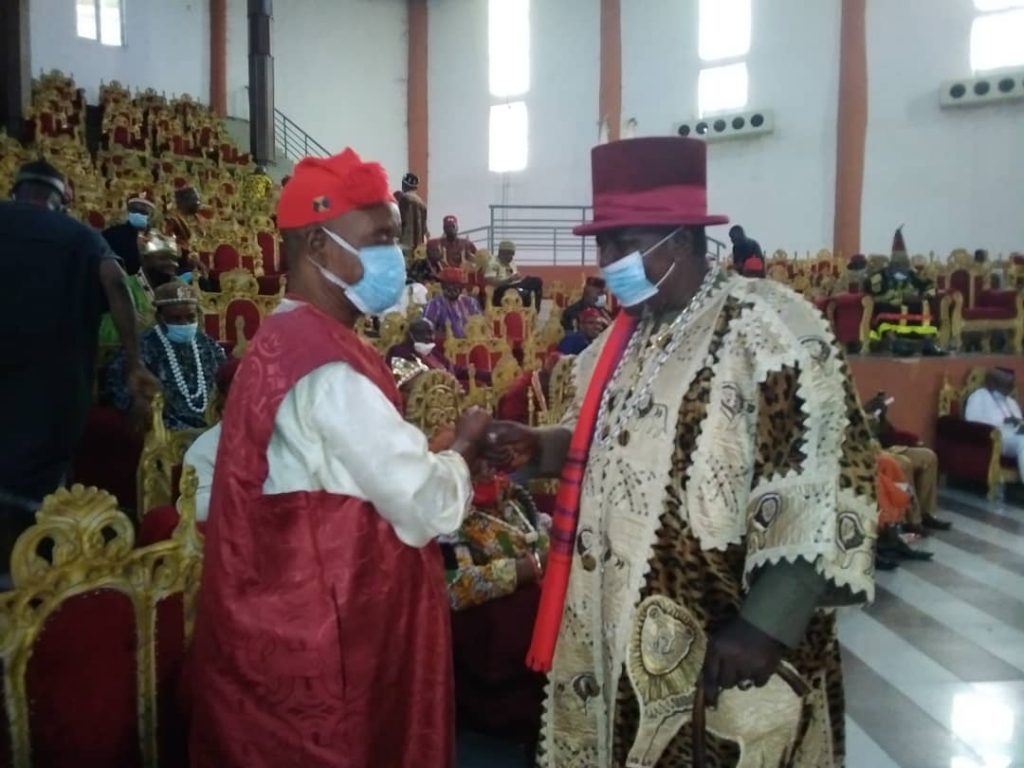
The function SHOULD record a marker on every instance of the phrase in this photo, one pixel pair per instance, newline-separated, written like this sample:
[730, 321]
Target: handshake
[505, 445]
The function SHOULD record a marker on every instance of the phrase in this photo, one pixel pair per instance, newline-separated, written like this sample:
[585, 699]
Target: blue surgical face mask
[138, 220]
[181, 334]
[627, 278]
[383, 278]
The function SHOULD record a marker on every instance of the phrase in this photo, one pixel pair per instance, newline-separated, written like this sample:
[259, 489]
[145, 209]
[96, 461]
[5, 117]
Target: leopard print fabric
[709, 582]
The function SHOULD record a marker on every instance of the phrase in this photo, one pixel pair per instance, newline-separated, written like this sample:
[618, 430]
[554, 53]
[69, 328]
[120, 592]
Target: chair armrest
[953, 428]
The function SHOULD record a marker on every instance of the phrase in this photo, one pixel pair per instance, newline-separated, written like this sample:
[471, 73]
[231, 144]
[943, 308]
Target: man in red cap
[322, 629]
[451, 250]
[717, 491]
[592, 322]
[452, 308]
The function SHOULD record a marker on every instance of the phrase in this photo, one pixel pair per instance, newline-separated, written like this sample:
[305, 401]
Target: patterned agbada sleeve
[812, 494]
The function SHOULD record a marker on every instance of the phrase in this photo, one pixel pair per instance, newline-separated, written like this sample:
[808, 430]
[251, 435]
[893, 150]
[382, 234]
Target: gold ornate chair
[433, 399]
[978, 308]
[239, 298]
[160, 464]
[92, 638]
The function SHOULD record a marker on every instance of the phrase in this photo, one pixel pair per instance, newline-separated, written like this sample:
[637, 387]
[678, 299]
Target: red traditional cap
[450, 219]
[324, 188]
[659, 181]
[452, 275]
[591, 314]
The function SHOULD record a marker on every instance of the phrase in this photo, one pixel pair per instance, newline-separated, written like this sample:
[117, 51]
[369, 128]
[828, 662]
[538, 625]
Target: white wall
[955, 177]
[340, 73]
[562, 107]
[780, 187]
[166, 47]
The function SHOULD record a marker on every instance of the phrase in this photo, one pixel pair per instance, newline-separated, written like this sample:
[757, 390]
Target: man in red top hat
[322, 629]
[717, 490]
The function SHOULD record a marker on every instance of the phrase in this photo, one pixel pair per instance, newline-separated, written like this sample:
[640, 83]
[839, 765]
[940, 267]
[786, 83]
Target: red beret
[591, 314]
[321, 189]
[452, 275]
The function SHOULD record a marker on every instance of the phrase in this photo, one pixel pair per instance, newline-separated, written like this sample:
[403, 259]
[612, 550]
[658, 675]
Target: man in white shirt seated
[502, 273]
[995, 405]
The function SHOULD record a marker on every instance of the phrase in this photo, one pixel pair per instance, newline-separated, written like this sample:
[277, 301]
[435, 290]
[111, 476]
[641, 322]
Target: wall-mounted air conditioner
[740, 125]
[1007, 85]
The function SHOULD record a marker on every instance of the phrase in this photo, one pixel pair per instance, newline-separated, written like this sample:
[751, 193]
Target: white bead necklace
[639, 397]
[196, 401]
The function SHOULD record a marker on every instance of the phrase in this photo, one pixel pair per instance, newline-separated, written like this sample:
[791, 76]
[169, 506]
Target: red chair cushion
[988, 313]
[108, 454]
[81, 682]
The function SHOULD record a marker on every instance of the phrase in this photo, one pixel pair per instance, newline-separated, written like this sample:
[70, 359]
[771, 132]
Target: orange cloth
[893, 501]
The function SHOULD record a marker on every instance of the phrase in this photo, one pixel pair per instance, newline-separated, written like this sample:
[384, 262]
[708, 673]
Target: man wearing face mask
[322, 631]
[183, 358]
[420, 346]
[896, 289]
[593, 298]
[123, 238]
[717, 491]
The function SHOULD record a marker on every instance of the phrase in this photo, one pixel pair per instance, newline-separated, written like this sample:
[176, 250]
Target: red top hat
[660, 181]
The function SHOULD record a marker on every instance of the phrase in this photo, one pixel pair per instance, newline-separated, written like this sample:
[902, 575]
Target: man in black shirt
[123, 238]
[743, 248]
[593, 298]
[61, 277]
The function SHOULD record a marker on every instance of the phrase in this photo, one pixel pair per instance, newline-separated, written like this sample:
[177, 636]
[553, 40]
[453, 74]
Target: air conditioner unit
[740, 125]
[1007, 85]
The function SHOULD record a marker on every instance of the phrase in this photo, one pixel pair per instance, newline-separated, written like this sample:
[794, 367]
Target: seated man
[994, 404]
[502, 274]
[918, 462]
[158, 266]
[183, 358]
[420, 346]
[123, 238]
[452, 307]
[743, 247]
[451, 250]
[593, 298]
[185, 225]
[493, 566]
[592, 323]
[896, 286]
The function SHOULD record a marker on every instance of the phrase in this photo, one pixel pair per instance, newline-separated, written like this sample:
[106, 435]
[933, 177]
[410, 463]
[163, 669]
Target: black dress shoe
[899, 548]
[930, 521]
[885, 564]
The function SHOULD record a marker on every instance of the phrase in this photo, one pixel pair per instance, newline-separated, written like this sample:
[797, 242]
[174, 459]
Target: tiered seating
[969, 299]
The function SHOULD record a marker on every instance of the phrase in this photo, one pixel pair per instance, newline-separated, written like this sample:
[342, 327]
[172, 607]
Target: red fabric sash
[567, 503]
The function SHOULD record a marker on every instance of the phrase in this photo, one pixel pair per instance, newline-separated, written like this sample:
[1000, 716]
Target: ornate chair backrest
[393, 328]
[92, 636]
[160, 463]
[432, 399]
[505, 372]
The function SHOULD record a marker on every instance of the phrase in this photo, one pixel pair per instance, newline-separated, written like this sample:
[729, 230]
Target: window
[996, 35]
[508, 139]
[508, 47]
[508, 53]
[100, 20]
[723, 41]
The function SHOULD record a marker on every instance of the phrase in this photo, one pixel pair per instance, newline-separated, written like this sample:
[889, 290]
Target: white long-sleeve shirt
[335, 431]
[993, 408]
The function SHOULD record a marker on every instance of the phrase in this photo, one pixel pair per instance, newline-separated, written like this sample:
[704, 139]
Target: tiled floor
[935, 668]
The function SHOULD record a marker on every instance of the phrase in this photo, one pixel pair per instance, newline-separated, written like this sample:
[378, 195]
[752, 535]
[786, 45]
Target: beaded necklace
[196, 401]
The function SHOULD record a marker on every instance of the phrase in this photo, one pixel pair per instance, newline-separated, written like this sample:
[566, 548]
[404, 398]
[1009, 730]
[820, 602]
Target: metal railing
[543, 234]
[292, 141]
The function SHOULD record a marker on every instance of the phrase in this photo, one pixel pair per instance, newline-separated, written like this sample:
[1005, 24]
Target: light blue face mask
[138, 220]
[627, 277]
[181, 334]
[383, 278]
